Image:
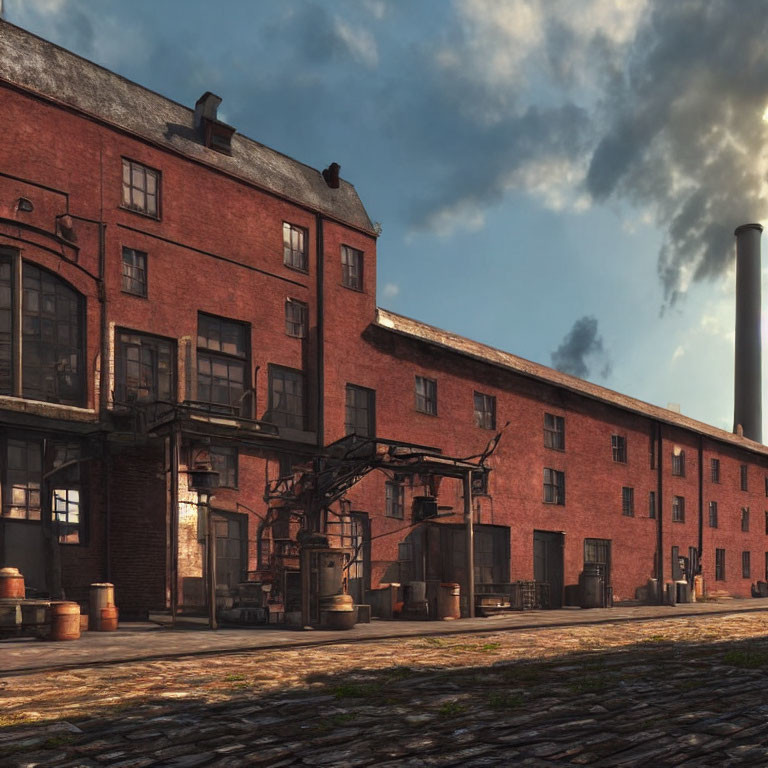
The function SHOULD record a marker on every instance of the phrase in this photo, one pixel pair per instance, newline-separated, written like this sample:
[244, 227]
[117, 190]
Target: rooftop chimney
[331, 175]
[215, 134]
[747, 396]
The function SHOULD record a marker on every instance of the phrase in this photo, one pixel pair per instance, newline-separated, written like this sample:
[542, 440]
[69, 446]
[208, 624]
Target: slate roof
[41, 66]
[405, 326]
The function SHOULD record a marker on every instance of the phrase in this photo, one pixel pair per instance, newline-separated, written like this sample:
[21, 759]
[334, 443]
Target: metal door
[231, 548]
[548, 563]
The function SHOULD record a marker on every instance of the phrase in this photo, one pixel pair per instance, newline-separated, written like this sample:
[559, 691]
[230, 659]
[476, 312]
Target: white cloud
[390, 290]
[359, 42]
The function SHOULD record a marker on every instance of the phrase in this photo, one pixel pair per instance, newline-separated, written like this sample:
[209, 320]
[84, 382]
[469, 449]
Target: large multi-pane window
[351, 268]
[713, 514]
[295, 246]
[134, 275]
[678, 462]
[222, 357]
[395, 495]
[714, 466]
[63, 465]
[484, 411]
[554, 432]
[141, 188]
[295, 318]
[224, 461]
[50, 337]
[360, 411]
[628, 501]
[678, 509]
[144, 368]
[286, 397]
[426, 395]
[719, 565]
[619, 448]
[554, 486]
[23, 479]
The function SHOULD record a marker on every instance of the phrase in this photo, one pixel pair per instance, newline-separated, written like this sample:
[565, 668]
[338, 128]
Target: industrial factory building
[195, 379]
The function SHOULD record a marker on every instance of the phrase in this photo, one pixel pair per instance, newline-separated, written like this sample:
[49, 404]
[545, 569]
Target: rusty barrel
[108, 621]
[101, 596]
[65, 621]
[449, 601]
[11, 583]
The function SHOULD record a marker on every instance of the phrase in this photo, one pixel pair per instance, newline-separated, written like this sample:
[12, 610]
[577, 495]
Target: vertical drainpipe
[701, 503]
[103, 395]
[470, 544]
[174, 532]
[659, 514]
[320, 332]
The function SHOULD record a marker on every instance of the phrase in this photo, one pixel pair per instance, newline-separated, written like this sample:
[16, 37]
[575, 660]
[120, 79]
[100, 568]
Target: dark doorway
[231, 548]
[598, 552]
[548, 563]
[447, 553]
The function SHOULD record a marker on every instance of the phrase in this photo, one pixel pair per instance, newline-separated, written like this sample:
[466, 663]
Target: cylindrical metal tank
[592, 592]
[330, 579]
[65, 621]
[11, 583]
[108, 622]
[102, 595]
[339, 612]
[747, 394]
[449, 601]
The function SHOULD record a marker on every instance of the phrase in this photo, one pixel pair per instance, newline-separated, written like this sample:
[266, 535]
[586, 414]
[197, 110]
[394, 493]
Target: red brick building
[172, 292]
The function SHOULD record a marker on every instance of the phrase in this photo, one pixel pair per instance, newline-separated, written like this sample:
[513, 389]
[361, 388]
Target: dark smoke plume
[580, 343]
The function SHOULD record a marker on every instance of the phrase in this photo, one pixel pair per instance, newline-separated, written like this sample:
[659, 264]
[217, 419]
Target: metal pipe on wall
[470, 544]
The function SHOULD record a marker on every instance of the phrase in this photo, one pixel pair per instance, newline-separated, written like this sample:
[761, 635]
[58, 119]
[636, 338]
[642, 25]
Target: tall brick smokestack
[747, 396]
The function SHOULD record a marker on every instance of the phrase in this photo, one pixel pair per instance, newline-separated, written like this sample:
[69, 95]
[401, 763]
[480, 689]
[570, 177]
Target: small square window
[678, 462]
[713, 514]
[554, 487]
[295, 247]
[395, 501]
[619, 448]
[628, 502]
[141, 188]
[678, 509]
[485, 411]
[351, 268]
[715, 470]
[134, 279]
[295, 318]
[744, 482]
[554, 432]
[426, 395]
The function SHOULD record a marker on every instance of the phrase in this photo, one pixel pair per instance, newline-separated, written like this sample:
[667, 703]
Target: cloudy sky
[558, 179]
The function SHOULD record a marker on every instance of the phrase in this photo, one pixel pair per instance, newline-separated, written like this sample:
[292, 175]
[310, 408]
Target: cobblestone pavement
[686, 691]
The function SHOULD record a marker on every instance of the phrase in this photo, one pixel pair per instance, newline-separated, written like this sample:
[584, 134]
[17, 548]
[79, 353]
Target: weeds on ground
[451, 709]
[747, 658]
[505, 700]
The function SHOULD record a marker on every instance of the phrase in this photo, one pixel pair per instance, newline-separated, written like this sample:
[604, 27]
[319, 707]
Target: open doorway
[548, 563]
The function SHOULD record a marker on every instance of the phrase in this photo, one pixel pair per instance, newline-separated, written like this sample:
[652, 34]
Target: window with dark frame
[678, 462]
[145, 368]
[351, 268]
[224, 460]
[360, 411]
[619, 448]
[744, 478]
[141, 188]
[395, 500]
[766, 485]
[426, 395]
[484, 411]
[63, 469]
[714, 465]
[628, 501]
[295, 247]
[766, 567]
[134, 276]
[222, 363]
[652, 504]
[480, 482]
[719, 565]
[652, 450]
[746, 569]
[554, 432]
[713, 514]
[678, 509]
[766, 523]
[50, 336]
[23, 479]
[286, 397]
[745, 519]
[295, 318]
[554, 487]
[676, 570]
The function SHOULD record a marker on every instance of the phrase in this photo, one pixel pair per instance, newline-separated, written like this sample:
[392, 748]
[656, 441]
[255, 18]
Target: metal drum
[11, 583]
[449, 601]
[101, 596]
[108, 622]
[65, 621]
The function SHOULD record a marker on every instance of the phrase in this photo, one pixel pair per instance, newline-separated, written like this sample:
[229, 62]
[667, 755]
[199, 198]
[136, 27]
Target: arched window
[49, 337]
